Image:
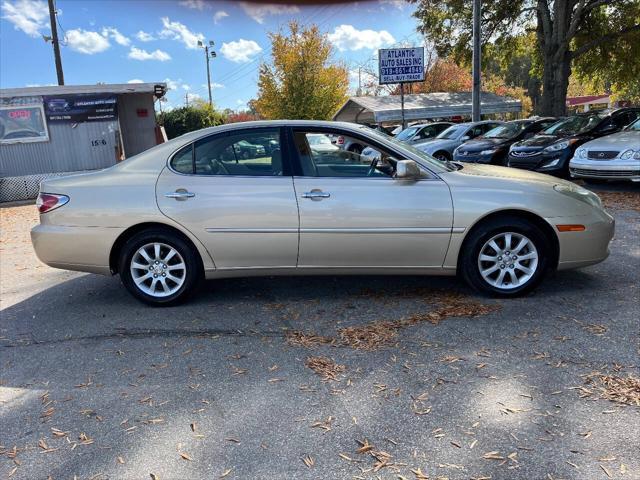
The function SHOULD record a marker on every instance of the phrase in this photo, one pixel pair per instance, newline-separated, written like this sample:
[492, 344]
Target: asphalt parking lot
[320, 377]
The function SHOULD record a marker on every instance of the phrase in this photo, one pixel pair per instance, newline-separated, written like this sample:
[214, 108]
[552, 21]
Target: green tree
[187, 119]
[594, 36]
[302, 81]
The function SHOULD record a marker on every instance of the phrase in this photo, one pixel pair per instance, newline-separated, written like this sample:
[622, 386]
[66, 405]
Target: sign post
[401, 65]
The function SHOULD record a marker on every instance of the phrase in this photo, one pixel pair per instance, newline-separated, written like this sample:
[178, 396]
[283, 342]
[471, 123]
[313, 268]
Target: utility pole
[56, 43]
[186, 99]
[477, 86]
[359, 92]
[207, 56]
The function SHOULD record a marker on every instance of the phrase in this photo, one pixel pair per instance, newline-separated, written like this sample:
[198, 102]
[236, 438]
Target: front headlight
[579, 193]
[582, 153]
[556, 147]
[636, 156]
[627, 154]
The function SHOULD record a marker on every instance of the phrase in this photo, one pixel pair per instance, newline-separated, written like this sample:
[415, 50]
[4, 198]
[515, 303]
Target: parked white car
[614, 157]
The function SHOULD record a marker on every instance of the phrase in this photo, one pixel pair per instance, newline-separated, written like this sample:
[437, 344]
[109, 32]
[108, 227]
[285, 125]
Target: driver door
[352, 215]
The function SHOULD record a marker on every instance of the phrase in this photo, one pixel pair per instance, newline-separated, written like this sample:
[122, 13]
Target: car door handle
[316, 195]
[180, 195]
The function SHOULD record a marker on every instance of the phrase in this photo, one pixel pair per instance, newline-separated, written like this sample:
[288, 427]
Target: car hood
[483, 143]
[619, 141]
[494, 188]
[539, 141]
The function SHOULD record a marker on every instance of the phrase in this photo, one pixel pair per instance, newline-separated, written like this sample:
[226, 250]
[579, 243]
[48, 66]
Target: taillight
[50, 201]
[340, 140]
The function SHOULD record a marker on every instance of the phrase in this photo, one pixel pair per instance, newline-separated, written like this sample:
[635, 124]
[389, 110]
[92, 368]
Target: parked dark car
[493, 146]
[550, 151]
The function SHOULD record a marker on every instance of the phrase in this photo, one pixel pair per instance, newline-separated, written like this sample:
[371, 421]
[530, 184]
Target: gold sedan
[257, 198]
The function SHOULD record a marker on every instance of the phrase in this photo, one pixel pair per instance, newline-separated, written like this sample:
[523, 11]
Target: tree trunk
[555, 82]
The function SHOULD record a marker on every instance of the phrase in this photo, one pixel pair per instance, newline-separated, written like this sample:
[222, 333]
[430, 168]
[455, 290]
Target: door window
[321, 159]
[247, 153]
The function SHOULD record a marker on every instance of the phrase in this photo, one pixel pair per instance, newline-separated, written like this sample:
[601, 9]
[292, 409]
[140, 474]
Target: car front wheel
[506, 257]
[159, 268]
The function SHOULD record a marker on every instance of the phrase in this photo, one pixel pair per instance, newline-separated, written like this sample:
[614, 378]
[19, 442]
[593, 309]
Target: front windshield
[508, 130]
[407, 133]
[452, 132]
[425, 158]
[634, 126]
[576, 124]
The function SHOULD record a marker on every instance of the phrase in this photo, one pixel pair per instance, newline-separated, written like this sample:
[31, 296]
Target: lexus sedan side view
[613, 157]
[446, 142]
[551, 151]
[186, 210]
[493, 146]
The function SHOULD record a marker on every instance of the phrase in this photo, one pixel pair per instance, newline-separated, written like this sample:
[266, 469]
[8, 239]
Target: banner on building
[81, 108]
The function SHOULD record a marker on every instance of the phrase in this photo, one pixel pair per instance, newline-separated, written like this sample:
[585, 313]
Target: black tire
[193, 272]
[469, 264]
[442, 156]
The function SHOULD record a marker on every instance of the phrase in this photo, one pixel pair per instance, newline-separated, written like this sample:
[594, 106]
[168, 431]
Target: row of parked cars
[596, 145]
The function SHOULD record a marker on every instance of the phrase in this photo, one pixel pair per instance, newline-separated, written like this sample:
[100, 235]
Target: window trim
[40, 106]
[286, 163]
[297, 166]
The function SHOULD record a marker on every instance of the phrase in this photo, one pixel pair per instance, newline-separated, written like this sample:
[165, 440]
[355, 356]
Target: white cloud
[259, 12]
[141, 54]
[399, 4]
[219, 15]
[120, 39]
[186, 87]
[179, 31]
[135, 80]
[214, 85]
[192, 96]
[240, 51]
[84, 41]
[194, 4]
[346, 37]
[144, 36]
[30, 16]
[172, 84]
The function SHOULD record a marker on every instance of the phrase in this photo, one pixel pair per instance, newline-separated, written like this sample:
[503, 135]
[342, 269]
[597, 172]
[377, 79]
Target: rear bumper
[84, 249]
[591, 246]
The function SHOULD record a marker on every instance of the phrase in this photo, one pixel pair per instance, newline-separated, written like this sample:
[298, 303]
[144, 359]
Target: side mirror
[407, 169]
[465, 138]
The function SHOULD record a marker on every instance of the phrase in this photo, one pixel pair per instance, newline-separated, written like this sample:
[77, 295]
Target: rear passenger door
[234, 191]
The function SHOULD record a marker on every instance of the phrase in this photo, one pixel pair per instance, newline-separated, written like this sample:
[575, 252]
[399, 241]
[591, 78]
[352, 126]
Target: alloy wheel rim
[158, 269]
[508, 260]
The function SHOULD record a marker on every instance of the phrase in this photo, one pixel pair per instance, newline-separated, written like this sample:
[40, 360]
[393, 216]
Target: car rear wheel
[159, 268]
[505, 257]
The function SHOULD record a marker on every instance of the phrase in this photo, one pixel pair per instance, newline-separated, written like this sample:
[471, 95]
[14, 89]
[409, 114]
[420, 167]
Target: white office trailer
[54, 130]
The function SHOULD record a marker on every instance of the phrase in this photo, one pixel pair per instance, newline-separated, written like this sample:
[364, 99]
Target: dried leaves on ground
[325, 367]
[620, 200]
[375, 335]
[625, 390]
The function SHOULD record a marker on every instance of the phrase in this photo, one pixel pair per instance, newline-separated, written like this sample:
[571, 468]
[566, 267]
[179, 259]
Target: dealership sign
[80, 108]
[400, 65]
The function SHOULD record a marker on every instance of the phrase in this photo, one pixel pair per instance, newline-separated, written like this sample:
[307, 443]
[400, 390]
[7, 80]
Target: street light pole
[475, 95]
[213, 55]
[56, 43]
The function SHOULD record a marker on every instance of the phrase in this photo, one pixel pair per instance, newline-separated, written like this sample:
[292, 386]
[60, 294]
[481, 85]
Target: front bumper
[84, 249]
[591, 246]
[542, 162]
[615, 169]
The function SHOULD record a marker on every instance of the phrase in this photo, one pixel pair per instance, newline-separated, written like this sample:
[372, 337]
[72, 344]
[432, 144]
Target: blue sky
[118, 41]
